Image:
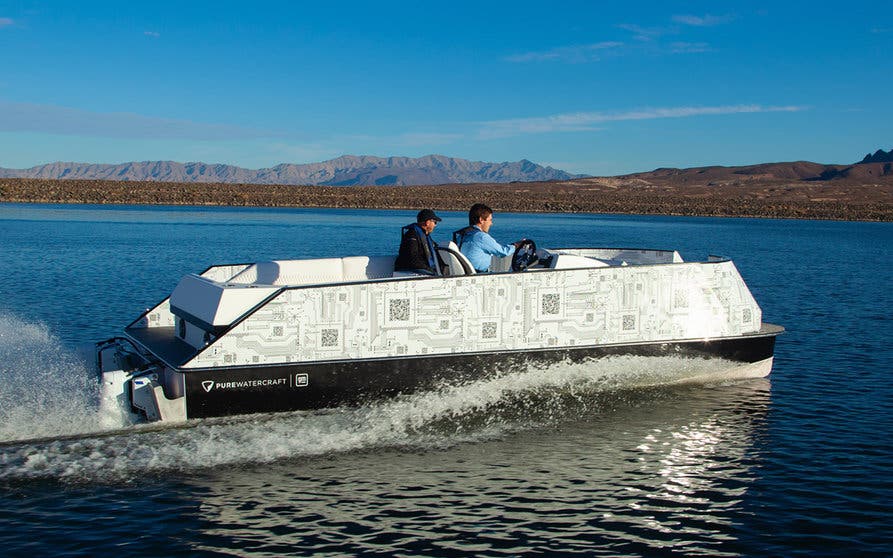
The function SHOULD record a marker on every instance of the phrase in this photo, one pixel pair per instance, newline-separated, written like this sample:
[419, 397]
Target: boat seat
[361, 268]
[317, 271]
[459, 264]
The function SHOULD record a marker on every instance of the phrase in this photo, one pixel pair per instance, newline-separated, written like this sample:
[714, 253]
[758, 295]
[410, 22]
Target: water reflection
[635, 472]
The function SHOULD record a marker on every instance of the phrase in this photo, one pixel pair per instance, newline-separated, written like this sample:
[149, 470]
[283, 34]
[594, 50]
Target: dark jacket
[417, 251]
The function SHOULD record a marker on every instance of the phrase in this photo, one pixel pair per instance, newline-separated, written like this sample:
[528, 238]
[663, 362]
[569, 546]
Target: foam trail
[456, 413]
[45, 389]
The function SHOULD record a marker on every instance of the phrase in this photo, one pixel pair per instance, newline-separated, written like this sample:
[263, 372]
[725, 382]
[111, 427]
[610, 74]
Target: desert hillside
[799, 190]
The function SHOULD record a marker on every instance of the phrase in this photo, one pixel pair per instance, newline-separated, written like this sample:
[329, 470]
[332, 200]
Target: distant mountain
[348, 170]
[880, 156]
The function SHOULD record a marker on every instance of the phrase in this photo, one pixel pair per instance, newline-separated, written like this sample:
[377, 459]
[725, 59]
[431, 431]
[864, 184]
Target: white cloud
[685, 48]
[645, 34]
[588, 121]
[702, 21]
[153, 34]
[51, 119]
[573, 53]
[652, 34]
[581, 122]
[648, 35]
[6, 21]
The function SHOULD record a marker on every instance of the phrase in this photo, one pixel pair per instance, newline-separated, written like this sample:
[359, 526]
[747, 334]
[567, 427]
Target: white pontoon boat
[303, 334]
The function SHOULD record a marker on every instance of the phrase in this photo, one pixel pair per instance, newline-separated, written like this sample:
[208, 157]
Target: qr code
[629, 322]
[488, 330]
[399, 309]
[277, 331]
[680, 299]
[329, 338]
[551, 304]
[747, 316]
[444, 324]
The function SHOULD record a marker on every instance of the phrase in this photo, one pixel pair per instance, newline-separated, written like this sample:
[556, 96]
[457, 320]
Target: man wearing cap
[418, 251]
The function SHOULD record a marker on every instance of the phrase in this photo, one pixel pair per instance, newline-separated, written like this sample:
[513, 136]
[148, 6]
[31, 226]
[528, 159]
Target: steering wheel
[525, 255]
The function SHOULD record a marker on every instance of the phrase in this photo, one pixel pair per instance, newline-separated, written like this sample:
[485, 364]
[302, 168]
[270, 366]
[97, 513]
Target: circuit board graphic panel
[486, 312]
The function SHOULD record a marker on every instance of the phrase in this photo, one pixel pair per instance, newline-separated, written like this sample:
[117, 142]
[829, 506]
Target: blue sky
[599, 88]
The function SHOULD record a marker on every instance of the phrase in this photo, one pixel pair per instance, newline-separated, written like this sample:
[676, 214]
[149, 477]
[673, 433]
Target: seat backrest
[361, 268]
[459, 264]
[316, 271]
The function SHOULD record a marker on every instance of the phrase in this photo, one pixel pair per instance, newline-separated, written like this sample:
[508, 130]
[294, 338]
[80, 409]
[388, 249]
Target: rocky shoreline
[619, 195]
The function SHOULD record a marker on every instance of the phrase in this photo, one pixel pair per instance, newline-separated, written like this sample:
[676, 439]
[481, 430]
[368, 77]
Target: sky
[598, 87]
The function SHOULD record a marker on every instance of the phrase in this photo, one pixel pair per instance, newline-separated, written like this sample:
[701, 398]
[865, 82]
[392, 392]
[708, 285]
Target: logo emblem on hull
[208, 385]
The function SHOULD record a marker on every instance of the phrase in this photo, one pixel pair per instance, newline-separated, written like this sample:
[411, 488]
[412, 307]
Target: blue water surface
[799, 464]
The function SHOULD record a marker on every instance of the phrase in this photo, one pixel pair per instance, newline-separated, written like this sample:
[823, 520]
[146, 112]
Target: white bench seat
[318, 271]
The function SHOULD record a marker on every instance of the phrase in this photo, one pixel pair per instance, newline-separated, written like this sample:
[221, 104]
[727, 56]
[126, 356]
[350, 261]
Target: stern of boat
[134, 387]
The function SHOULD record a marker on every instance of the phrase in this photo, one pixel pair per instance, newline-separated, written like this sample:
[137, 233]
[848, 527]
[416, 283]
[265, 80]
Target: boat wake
[45, 390]
[58, 402]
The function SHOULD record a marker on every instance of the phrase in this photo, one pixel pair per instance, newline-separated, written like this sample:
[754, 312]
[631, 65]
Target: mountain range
[348, 170]
[352, 170]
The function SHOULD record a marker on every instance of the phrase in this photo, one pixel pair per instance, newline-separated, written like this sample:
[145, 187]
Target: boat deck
[769, 329]
[163, 343]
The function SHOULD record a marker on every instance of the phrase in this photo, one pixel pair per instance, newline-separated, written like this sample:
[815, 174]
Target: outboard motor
[133, 387]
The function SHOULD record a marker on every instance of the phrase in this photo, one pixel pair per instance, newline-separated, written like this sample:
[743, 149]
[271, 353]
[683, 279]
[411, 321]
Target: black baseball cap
[426, 214]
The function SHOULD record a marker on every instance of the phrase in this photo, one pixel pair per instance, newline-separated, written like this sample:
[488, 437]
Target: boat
[286, 335]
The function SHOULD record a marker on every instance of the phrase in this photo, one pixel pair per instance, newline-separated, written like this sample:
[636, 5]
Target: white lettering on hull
[299, 380]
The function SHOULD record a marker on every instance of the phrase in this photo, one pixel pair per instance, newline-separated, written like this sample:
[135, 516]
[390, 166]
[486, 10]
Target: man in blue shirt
[475, 241]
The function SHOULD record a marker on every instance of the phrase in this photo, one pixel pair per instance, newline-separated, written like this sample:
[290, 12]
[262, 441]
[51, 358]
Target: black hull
[291, 387]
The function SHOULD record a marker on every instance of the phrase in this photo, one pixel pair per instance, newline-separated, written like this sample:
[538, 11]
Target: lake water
[556, 464]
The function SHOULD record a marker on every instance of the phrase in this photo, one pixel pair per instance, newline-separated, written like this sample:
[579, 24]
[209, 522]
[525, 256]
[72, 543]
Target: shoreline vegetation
[614, 195]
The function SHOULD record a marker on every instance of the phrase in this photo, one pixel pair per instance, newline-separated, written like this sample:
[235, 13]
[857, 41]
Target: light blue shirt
[479, 246]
